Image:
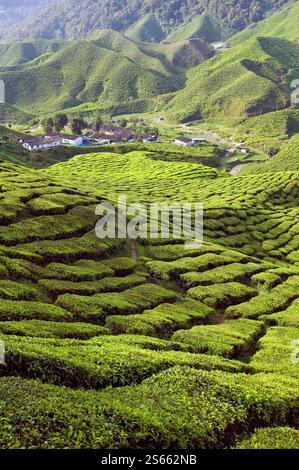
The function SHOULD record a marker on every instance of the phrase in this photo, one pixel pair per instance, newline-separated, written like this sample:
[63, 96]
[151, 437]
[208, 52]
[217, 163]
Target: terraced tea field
[114, 344]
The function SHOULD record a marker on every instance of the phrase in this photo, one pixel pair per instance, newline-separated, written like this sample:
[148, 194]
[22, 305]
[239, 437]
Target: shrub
[83, 270]
[162, 320]
[272, 438]
[21, 310]
[222, 295]
[232, 272]
[108, 284]
[181, 408]
[229, 339]
[96, 363]
[173, 270]
[11, 290]
[265, 303]
[51, 329]
[275, 352]
[288, 317]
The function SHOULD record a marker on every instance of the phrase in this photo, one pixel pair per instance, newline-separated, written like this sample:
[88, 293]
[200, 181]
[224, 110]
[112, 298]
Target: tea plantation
[146, 344]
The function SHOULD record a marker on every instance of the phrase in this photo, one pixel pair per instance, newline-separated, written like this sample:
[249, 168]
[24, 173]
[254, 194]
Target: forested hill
[70, 19]
[13, 11]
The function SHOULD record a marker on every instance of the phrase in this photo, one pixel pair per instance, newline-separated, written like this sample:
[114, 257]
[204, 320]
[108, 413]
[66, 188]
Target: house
[198, 140]
[76, 140]
[242, 149]
[149, 138]
[220, 47]
[238, 149]
[102, 138]
[118, 134]
[35, 143]
[185, 141]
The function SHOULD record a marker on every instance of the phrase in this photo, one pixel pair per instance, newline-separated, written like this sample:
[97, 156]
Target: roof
[186, 140]
[102, 137]
[71, 137]
[35, 141]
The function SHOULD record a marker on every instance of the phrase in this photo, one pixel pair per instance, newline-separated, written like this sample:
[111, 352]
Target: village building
[184, 141]
[37, 143]
[198, 140]
[149, 138]
[102, 139]
[76, 140]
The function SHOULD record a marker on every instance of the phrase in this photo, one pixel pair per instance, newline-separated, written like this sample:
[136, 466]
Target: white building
[75, 140]
[39, 143]
[184, 141]
[198, 140]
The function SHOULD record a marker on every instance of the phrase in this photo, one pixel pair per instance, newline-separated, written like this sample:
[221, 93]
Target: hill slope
[204, 27]
[21, 52]
[102, 76]
[251, 78]
[147, 29]
[283, 24]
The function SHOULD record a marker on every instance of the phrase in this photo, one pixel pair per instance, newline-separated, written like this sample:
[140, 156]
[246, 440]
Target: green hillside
[112, 70]
[19, 53]
[184, 55]
[285, 160]
[160, 57]
[283, 24]
[102, 76]
[249, 79]
[147, 29]
[204, 27]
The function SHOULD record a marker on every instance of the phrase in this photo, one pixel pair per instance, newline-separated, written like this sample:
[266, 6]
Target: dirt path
[236, 170]
[134, 254]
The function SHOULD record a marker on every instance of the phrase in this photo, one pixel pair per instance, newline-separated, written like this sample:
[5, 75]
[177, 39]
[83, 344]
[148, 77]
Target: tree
[77, 125]
[60, 121]
[48, 125]
[123, 123]
[97, 122]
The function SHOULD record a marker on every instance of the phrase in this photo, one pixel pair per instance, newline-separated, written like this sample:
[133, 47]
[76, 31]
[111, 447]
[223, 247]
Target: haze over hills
[13, 11]
[71, 19]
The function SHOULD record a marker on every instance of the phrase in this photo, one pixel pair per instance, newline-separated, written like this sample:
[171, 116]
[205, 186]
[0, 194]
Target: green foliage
[147, 29]
[277, 353]
[98, 362]
[96, 307]
[222, 295]
[244, 81]
[229, 339]
[51, 329]
[283, 25]
[22, 310]
[162, 320]
[204, 27]
[181, 408]
[267, 303]
[272, 438]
